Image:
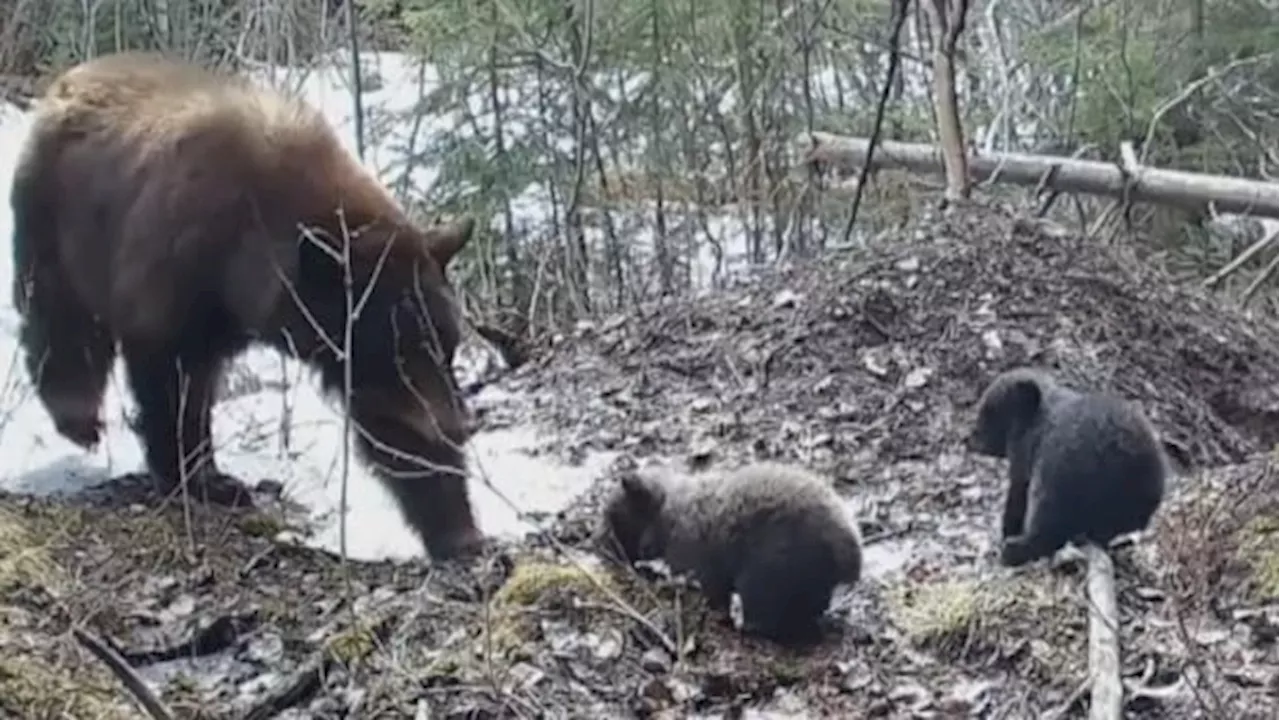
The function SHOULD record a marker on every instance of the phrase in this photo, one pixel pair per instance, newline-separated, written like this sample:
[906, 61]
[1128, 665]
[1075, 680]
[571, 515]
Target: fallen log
[1167, 187]
[1106, 699]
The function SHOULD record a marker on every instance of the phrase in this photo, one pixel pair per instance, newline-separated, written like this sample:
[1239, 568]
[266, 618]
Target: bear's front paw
[85, 432]
[1012, 553]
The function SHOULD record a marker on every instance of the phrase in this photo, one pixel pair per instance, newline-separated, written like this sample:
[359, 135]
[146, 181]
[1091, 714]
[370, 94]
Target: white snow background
[36, 460]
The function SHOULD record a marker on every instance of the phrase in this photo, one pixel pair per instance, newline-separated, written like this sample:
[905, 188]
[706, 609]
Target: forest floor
[864, 366]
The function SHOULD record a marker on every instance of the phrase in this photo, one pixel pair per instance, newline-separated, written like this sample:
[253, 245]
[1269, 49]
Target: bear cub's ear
[1024, 398]
[445, 240]
[643, 488]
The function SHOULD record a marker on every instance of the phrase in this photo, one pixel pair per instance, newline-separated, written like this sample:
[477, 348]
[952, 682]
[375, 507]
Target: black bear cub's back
[1080, 463]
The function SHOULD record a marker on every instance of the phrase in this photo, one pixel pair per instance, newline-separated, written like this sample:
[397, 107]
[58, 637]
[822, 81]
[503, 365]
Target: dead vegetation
[865, 366]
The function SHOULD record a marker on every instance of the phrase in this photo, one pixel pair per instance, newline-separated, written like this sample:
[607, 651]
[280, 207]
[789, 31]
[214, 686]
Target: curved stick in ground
[134, 684]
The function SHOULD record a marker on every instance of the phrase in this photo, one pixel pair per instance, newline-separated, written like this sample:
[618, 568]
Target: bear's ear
[1024, 397]
[642, 488]
[444, 240]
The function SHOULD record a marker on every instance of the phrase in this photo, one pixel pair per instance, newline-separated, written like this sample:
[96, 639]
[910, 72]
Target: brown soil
[865, 366]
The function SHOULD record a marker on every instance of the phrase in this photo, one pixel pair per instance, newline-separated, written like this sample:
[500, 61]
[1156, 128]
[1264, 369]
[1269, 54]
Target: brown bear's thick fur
[160, 207]
[776, 534]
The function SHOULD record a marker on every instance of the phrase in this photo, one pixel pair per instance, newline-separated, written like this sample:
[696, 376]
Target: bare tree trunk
[578, 255]
[515, 272]
[946, 20]
[748, 82]
[662, 254]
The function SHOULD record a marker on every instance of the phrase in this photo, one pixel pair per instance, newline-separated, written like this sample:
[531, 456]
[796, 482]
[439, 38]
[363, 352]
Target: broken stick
[1106, 701]
[137, 688]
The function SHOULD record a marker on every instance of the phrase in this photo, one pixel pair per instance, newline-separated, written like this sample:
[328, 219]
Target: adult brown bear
[183, 214]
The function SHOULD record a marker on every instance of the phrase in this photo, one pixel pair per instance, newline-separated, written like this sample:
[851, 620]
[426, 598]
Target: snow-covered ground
[247, 425]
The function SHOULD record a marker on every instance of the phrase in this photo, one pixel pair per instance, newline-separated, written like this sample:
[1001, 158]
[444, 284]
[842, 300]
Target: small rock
[524, 677]
[607, 646]
[917, 378]
[656, 661]
[181, 608]
[785, 298]
[657, 692]
[874, 365]
[270, 488]
[991, 340]
[681, 690]
[910, 264]
[1150, 594]
[267, 649]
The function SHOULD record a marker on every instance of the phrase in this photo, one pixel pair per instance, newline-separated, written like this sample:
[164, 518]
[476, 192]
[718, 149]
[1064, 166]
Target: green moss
[1260, 552]
[951, 614]
[262, 525]
[354, 644]
[24, 558]
[789, 670]
[933, 612]
[532, 585]
[533, 582]
[31, 688]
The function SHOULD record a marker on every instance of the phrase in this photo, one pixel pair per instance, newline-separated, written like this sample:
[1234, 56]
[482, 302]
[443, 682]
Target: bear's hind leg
[68, 354]
[175, 402]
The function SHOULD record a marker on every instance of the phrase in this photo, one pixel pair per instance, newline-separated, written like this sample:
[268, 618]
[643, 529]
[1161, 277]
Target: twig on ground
[887, 535]
[138, 689]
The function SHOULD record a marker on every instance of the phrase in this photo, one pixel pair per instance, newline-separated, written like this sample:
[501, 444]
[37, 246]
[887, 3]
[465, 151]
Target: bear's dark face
[630, 525]
[408, 334]
[410, 417]
[427, 326]
[1006, 410]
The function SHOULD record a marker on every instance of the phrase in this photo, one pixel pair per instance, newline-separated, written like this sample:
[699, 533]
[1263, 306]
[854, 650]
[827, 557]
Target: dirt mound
[885, 350]
[867, 364]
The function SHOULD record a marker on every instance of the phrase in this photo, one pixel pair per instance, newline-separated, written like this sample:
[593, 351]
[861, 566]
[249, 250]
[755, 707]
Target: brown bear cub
[1082, 466]
[176, 215]
[776, 534]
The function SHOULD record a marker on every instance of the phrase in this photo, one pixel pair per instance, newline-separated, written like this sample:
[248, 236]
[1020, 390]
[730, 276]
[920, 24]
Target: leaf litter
[864, 366]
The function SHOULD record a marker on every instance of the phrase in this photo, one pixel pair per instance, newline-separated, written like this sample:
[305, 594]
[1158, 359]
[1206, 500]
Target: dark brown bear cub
[182, 214]
[777, 535]
[1082, 466]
